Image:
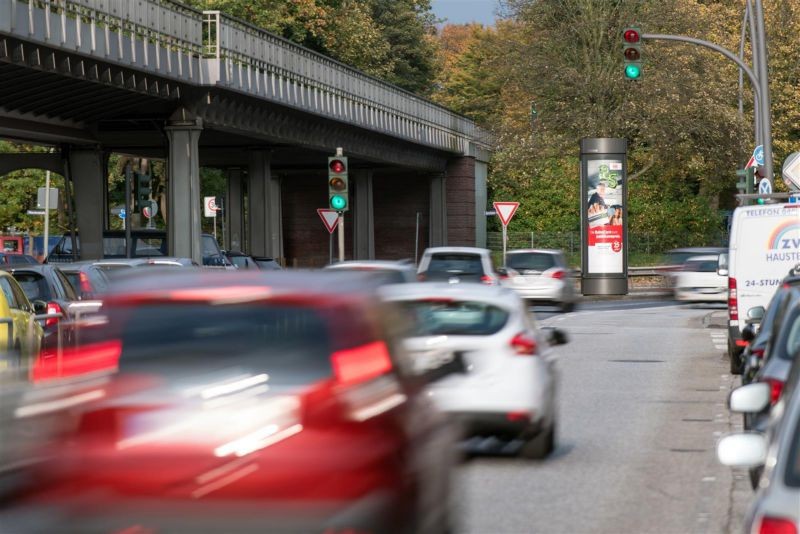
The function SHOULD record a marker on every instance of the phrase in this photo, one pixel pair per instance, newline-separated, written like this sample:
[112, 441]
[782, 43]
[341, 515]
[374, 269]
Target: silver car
[541, 276]
[776, 507]
[487, 362]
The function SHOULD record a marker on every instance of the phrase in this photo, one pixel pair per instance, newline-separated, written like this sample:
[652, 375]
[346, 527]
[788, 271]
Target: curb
[633, 295]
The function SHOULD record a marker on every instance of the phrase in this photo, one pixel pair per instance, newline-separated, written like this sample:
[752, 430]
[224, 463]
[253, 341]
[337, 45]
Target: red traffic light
[631, 54]
[631, 36]
[337, 166]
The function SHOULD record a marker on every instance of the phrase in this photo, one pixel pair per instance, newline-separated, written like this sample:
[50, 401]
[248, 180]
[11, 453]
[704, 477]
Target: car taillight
[359, 364]
[488, 280]
[776, 525]
[758, 353]
[733, 301]
[86, 286]
[52, 309]
[76, 361]
[558, 274]
[775, 390]
[523, 344]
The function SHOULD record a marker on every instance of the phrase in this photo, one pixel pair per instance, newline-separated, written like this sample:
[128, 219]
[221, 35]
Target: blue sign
[122, 213]
[758, 155]
[764, 187]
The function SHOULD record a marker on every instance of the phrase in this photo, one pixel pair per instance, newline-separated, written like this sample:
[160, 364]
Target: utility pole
[762, 72]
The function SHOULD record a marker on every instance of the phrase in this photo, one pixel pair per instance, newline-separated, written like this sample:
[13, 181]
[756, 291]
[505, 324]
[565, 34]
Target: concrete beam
[438, 214]
[264, 229]
[10, 162]
[183, 217]
[234, 211]
[363, 218]
[88, 170]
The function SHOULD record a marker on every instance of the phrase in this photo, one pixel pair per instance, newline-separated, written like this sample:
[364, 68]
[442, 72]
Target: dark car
[240, 260]
[51, 293]
[267, 264]
[88, 279]
[753, 355]
[145, 244]
[241, 402]
[17, 259]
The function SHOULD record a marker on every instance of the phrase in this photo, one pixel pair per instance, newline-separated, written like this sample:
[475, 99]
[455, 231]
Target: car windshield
[531, 261]
[287, 342]
[437, 317]
[268, 264]
[700, 266]
[455, 264]
[789, 347]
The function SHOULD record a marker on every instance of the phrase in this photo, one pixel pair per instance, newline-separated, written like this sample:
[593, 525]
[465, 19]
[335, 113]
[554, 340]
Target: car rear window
[531, 261]
[455, 264]
[382, 276]
[454, 318]
[33, 285]
[700, 266]
[289, 343]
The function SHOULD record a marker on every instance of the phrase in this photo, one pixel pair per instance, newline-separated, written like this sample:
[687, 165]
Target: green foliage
[685, 135]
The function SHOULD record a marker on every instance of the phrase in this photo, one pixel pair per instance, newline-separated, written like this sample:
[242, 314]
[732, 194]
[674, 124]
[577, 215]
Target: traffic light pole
[341, 236]
[754, 81]
[760, 50]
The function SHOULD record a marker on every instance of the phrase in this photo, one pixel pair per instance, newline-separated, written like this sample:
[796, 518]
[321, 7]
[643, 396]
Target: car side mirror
[755, 315]
[751, 398]
[39, 306]
[743, 450]
[556, 336]
[722, 271]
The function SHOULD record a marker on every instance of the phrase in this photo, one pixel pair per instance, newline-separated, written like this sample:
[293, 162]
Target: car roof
[468, 250]
[533, 250]
[155, 283]
[702, 258]
[373, 264]
[498, 295]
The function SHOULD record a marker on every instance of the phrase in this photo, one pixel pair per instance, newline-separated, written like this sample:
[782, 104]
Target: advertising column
[604, 257]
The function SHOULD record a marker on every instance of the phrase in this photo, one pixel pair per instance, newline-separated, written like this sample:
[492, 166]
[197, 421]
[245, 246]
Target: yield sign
[330, 218]
[506, 210]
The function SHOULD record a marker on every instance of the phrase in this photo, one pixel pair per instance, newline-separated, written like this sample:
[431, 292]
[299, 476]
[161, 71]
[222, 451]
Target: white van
[764, 245]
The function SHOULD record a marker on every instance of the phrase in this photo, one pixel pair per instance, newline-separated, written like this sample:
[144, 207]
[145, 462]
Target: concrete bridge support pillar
[265, 230]
[183, 223]
[87, 170]
[234, 211]
[363, 218]
[438, 211]
[460, 201]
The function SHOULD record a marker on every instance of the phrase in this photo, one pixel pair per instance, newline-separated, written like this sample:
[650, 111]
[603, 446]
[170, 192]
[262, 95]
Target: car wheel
[735, 360]
[755, 476]
[567, 307]
[541, 445]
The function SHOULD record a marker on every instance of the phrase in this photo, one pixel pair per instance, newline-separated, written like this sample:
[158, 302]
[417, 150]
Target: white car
[488, 363]
[541, 276]
[699, 280]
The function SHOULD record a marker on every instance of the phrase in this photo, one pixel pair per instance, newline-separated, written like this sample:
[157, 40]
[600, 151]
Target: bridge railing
[263, 63]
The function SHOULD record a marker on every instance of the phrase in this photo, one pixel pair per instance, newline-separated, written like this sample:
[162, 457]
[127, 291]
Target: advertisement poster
[605, 215]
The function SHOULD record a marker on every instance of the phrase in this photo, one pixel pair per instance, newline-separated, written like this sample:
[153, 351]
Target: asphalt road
[642, 404]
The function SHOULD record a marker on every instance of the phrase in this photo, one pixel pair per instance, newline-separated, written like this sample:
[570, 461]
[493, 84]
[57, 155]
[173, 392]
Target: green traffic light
[632, 72]
[760, 201]
[338, 202]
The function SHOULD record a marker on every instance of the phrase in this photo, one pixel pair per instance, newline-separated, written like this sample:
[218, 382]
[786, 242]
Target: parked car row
[764, 346]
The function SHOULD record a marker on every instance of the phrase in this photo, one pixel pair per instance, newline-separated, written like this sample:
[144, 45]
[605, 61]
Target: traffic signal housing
[142, 187]
[338, 187]
[632, 52]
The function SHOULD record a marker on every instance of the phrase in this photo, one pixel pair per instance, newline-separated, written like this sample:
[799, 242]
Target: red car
[220, 402]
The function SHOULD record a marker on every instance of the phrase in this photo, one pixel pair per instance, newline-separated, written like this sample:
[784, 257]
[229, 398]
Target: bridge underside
[404, 193]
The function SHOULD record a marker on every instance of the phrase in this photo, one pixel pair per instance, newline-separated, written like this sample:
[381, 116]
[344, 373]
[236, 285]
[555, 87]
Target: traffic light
[337, 183]
[632, 52]
[141, 191]
[746, 177]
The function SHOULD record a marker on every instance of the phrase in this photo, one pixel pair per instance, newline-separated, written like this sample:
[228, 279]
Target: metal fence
[570, 242]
